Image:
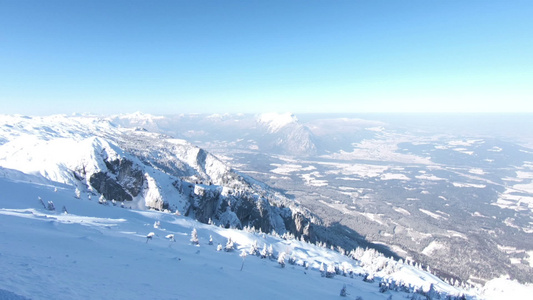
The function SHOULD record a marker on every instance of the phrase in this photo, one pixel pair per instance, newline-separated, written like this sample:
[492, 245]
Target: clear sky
[165, 57]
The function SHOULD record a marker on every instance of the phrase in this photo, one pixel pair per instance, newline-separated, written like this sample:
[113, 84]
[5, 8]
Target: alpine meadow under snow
[117, 208]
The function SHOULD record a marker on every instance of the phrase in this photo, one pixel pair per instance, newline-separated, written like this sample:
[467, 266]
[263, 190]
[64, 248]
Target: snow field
[101, 252]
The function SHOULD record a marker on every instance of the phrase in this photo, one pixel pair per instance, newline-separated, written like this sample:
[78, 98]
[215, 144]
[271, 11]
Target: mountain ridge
[146, 170]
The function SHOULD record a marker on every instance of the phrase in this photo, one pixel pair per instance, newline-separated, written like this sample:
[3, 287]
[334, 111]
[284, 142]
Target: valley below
[458, 200]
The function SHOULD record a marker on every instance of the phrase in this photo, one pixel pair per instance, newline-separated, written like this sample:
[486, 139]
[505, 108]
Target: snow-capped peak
[276, 121]
[140, 116]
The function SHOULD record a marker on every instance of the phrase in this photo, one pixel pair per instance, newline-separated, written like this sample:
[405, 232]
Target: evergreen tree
[170, 237]
[330, 271]
[368, 278]
[194, 237]
[270, 252]
[51, 206]
[322, 270]
[264, 252]
[229, 245]
[253, 248]
[383, 287]
[343, 291]
[281, 259]
[149, 236]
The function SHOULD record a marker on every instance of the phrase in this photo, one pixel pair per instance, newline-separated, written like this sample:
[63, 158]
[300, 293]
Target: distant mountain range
[460, 203]
[385, 177]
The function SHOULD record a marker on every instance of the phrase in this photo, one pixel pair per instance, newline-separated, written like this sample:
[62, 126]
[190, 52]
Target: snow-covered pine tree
[368, 277]
[229, 245]
[264, 252]
[253, 248]
[77, 193]
[432, 292]
[170, 237]
[383, 287]
[281, 259]
[210, 240]
[343, 291]
[292, 260]
[194, 237]
[50, 206]
[330, 272]
[270, 251]
[149, 236]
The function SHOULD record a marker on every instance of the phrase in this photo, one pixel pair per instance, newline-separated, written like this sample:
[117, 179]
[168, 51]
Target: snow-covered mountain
[449, 191]
[141, 170]
[91, 209]
[269, 132]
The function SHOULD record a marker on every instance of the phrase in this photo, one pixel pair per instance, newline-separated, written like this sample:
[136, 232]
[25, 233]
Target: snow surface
[504, 288]
[102, 252]
[276, 121]
[394, 176]
[379, 150]
[433, 215]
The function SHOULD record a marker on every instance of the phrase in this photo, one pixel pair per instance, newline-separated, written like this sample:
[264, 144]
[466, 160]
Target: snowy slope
[101, 252]
[140, 169]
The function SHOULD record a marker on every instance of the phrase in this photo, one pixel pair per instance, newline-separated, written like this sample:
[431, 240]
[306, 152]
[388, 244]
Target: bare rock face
[295, 139]
[122, 182]
[108, 187]
[128, 176]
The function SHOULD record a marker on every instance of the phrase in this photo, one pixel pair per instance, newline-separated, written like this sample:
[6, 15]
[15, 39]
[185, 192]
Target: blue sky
[254, 56]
